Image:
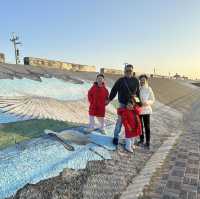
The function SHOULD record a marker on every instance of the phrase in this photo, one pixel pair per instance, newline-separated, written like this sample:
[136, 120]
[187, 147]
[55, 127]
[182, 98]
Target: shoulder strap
[126, 84]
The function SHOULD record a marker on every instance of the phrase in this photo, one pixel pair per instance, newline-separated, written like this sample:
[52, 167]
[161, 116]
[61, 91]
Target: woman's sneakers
[128, 145]
[147, 146]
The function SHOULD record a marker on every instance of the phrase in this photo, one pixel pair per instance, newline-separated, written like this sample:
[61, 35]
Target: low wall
[83, 68]
[57, 64]
[111, 71]
[2, 58]
[47, 63]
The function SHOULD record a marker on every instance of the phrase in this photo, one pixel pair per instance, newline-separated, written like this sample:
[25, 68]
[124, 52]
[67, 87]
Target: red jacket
[131, 121]
[97, 97]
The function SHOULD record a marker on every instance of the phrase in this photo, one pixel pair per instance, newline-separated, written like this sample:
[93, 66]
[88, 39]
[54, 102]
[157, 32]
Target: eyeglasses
[127, 71]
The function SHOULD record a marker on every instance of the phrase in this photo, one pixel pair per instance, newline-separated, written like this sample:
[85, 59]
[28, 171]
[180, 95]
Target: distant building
[177, 76]
[185, 78]
[111, 71]
[159, 76]
[33, 61]
[2, 58]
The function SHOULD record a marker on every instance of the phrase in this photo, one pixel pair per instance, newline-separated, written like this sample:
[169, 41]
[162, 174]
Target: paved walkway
[179, 177]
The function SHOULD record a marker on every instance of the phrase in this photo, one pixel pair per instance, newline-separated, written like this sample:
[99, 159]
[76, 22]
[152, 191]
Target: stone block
[111, 71]
[2, 58]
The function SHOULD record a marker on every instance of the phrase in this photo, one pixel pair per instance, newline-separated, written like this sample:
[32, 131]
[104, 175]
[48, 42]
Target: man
[125, 87]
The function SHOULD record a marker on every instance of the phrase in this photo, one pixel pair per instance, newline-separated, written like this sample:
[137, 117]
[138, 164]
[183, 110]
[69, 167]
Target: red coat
[131, 121]
[97, 97]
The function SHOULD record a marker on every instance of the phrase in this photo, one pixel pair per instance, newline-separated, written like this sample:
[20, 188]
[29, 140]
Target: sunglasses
[127, 71]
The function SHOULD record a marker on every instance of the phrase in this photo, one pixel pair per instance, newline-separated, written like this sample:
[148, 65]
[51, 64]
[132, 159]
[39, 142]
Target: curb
[135, 189]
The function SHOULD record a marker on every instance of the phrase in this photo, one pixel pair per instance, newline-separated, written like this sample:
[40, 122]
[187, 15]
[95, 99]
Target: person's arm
[123, 113]
[125, 122]
[114, 90]
[137, 110]
[120, 111]
[138, 89]
[151, 99]
[107, 94]
[90, 95]
[138, 92]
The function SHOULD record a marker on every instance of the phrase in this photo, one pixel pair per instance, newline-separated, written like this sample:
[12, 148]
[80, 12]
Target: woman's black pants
[145, 121]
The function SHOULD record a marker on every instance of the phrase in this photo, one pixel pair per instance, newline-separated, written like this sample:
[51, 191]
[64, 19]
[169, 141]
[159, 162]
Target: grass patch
[16, 132]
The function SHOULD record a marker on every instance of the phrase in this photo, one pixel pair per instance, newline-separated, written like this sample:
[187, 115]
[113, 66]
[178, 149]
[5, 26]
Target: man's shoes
[115, 141]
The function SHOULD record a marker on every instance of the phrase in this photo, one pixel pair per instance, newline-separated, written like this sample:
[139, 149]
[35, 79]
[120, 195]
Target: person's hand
[145, 104]
[107, 102]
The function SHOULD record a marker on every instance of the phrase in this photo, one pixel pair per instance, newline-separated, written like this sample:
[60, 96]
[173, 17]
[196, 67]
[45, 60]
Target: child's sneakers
[134, 147]
[128, 145]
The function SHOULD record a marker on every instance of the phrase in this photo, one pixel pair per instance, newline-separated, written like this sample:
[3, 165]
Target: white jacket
[146, 95]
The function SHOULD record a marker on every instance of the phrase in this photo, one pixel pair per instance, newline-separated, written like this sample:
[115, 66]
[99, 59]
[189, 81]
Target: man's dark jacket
[125, 87]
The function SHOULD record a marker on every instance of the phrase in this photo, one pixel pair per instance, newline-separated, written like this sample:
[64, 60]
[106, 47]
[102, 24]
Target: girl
[131, 121]
[97, 97]
[147, 99]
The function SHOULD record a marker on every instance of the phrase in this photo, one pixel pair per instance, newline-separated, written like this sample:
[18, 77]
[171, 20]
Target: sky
[149, 34]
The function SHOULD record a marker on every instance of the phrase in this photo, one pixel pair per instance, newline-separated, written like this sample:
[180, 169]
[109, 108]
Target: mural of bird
[38, 107]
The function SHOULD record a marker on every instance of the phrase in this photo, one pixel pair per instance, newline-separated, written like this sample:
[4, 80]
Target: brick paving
[179, 176]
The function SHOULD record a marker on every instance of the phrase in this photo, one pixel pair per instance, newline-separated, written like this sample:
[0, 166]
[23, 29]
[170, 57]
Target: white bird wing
[37, 107]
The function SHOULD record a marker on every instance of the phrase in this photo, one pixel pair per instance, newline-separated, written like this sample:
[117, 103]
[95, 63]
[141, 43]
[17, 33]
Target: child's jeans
[118, 124]
[92, 122]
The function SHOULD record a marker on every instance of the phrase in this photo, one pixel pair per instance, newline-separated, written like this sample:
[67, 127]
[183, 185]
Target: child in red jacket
[131, 122]
[97, 97]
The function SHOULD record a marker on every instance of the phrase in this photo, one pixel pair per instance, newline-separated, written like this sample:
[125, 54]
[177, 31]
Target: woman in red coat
[97, 97]
[131, 122]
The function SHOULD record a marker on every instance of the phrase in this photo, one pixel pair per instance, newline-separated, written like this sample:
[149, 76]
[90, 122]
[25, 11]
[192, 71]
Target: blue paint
[42, 158]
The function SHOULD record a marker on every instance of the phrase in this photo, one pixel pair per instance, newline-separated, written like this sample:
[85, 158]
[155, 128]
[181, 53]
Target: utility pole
[15, 41]
[154, 71]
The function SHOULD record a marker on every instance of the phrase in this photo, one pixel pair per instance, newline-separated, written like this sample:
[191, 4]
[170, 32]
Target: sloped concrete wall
[2, 58]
